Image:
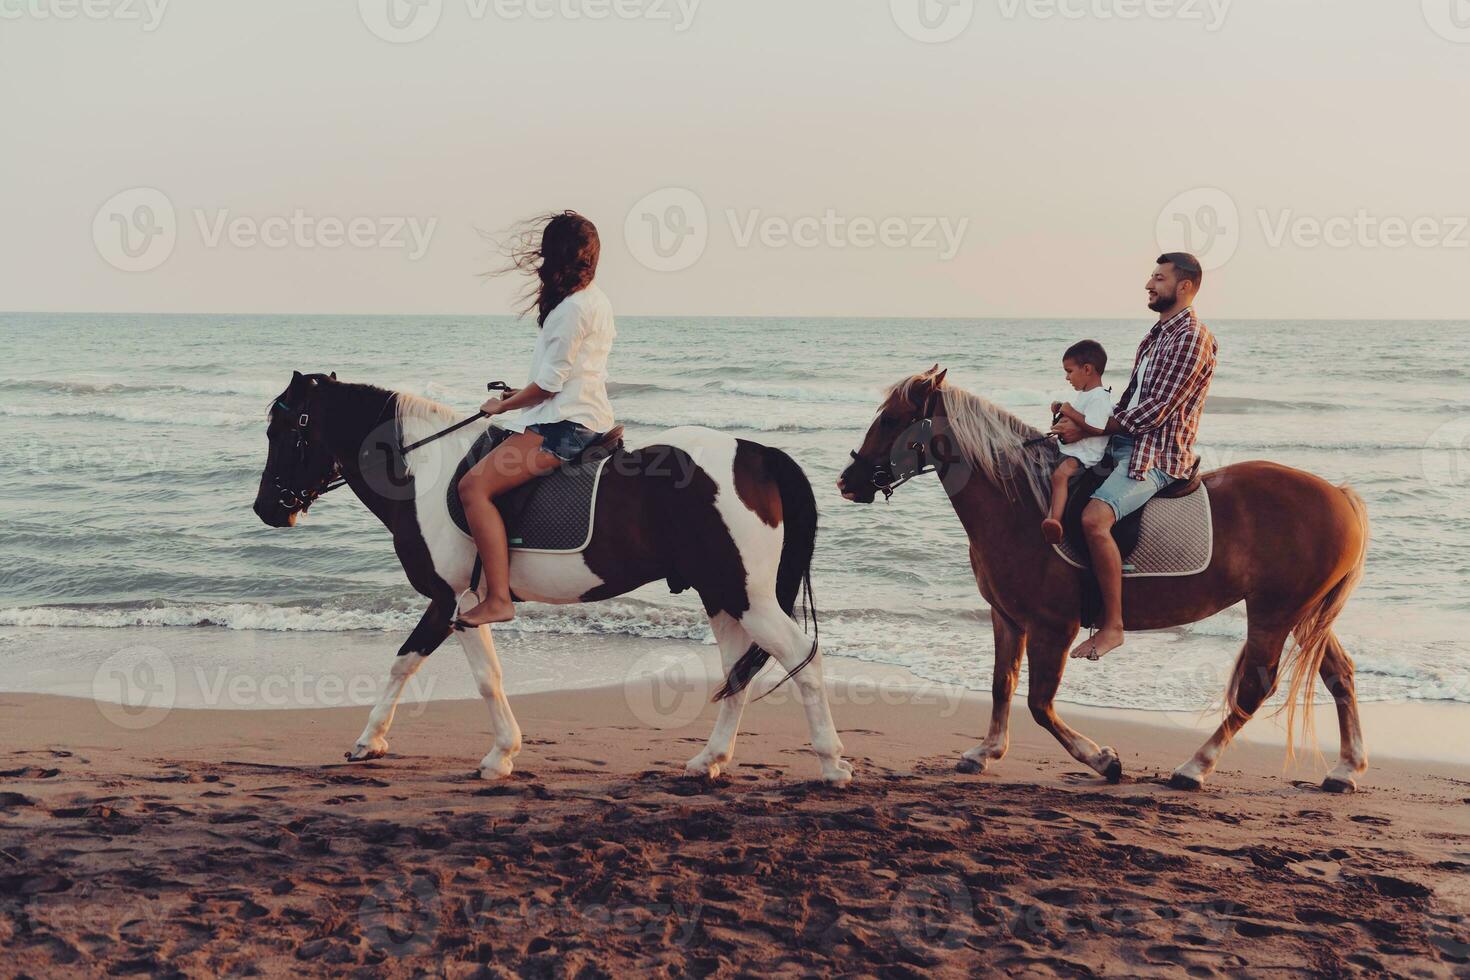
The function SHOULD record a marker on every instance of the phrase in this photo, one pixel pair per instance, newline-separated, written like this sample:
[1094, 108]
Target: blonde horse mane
[993, 441]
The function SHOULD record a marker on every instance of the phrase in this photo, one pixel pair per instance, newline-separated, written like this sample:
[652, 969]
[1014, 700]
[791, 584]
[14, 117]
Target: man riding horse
[1153, 428]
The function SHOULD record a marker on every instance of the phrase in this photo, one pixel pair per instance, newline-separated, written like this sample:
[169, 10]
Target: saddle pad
[1176, 537]
[553, 513]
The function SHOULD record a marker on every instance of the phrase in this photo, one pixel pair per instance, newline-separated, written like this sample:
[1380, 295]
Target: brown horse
[1288, 543]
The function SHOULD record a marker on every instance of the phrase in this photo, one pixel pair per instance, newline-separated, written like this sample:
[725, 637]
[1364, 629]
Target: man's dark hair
[1186, 265]
[1088, 352]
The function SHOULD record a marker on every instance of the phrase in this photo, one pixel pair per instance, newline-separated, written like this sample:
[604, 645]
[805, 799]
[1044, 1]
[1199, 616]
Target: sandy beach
[237, 842]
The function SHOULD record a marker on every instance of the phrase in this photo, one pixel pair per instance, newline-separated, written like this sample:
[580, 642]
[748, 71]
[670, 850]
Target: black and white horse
[734, 520]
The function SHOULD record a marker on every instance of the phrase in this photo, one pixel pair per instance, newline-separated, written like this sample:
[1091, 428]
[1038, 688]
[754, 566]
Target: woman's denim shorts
[564, 440]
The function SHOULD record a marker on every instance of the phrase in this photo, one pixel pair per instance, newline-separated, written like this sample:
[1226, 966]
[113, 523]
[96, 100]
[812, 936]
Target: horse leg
[1337, 674]
[1010, 644]
[720, 748]
[779, 634]
[479, 651]
[432, 629]
[1254, 680]
[1048, 656]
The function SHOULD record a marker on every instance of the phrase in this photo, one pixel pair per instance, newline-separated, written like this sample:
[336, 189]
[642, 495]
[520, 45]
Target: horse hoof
[969, 766]
[363, 753]
[1334, 784]
[707, 770]
[839, 775]
[1114, 772]
[1190, 783]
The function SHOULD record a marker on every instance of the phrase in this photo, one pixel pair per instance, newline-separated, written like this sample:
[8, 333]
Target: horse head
[299, 466]
[897, 443]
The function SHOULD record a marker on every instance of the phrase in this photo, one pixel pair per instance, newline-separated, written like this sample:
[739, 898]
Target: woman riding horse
[564, 407]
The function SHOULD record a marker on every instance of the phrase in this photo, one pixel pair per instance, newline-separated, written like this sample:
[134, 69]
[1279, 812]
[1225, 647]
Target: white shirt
[1142, 370]
[1096, 406]
[570, 360]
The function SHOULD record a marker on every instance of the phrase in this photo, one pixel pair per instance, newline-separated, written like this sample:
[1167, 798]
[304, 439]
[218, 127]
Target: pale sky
[1023, 167]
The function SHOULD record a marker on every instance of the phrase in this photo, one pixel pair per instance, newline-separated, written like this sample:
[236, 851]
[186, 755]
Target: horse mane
[418, 408]
[994, 442]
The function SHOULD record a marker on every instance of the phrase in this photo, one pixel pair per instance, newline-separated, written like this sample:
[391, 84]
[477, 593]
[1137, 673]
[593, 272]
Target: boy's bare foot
[492, 610]
[1051, 529]
[1104, 641]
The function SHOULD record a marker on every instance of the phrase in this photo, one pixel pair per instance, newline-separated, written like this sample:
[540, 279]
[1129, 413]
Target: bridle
[294, 498]
[888, 478]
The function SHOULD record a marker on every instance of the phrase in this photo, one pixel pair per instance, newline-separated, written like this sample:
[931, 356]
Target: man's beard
[1160, 303]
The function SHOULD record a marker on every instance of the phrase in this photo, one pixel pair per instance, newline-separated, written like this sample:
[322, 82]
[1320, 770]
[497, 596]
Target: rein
[293, 499]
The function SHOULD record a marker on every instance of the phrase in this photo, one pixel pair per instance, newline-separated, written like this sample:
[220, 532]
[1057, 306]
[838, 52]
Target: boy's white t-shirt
[1096, 407]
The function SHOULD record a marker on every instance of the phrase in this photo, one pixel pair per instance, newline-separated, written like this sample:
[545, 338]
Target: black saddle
[551, 513]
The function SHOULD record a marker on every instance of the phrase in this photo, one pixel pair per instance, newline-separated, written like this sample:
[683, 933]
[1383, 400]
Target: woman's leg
[517, 460]
[1051, 528]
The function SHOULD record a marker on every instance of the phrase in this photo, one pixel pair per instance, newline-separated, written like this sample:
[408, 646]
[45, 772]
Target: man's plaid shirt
[1171, 395]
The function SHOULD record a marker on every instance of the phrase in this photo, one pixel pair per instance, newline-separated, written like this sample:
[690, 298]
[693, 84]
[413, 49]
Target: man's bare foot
[492, 610]
[1051, 529]
[1104, 641]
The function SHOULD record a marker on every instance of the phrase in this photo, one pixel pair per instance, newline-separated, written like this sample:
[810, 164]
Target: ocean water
[133, 445]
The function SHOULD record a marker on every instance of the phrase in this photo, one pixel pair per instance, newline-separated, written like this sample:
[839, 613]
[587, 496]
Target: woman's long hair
[561, 251]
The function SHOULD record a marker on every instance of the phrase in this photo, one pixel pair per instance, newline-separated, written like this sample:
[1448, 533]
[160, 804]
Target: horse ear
[334, 375]
[939, 378]
[295, 376]
[934, 369]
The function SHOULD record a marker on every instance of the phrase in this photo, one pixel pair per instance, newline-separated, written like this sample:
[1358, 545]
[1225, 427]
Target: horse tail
[793, 574]
[1313, 632]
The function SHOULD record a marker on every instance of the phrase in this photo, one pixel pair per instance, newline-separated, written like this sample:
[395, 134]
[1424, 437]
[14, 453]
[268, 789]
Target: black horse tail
[793, 574]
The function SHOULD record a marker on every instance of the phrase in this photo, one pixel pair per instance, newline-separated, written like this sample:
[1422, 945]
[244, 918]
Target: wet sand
[239, 842]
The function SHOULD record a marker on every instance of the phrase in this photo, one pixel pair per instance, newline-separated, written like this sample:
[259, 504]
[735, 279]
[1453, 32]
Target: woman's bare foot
[492, 610]
[1104, 641]
[1051, 529]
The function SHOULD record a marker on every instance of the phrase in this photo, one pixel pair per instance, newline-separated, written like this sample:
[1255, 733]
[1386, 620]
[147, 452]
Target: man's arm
[1174, 370]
